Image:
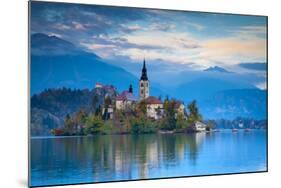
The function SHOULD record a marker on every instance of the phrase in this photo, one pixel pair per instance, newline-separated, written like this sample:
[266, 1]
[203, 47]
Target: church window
[141, 84]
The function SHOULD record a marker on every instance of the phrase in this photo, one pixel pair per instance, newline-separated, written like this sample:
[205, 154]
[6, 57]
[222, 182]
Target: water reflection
[121, 157]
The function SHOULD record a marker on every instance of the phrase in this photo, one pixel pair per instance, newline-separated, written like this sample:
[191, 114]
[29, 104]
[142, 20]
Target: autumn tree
[194, 114]
[141, 108]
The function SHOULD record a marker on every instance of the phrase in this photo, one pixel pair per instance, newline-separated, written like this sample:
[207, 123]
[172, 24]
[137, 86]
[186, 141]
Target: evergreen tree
[80, 118]
[194, 114]
[94, 125]
[69, 125]
[169, 120]
[95, 103]
[181, 123]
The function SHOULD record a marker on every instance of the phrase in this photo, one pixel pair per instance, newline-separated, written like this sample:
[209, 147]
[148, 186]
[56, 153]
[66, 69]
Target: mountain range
[217, 69]
[57, 63]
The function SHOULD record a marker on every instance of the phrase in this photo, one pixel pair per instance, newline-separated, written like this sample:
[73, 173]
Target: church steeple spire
[131, 89]
[144, 83]
[144, 72]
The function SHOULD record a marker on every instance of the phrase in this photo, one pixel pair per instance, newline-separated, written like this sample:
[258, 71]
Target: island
[111, 112]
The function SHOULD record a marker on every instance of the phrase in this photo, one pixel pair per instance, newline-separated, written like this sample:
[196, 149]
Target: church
[154, 106]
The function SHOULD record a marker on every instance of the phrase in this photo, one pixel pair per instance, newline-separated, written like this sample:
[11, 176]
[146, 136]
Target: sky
[180, 38]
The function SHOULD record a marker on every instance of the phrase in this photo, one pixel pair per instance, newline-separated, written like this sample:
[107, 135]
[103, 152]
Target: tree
[94, 125]
[141, 108]
[166, 102]
[169, 120]
[210, 125]
[142, 125]
[181, 123]
[135, 125]
[80, 117]
[69, 125]
[194, 114]
[95, 102]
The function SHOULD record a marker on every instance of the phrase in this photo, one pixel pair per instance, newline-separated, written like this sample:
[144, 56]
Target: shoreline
[163, 133]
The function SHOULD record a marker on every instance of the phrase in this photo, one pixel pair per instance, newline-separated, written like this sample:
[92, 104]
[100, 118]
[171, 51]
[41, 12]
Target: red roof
[98, 84]
[153, 100]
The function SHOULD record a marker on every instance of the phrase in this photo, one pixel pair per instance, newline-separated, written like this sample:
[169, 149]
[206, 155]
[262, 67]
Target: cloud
[107, 46]
[196, 26]
[55, 34]
[130, 28]
[179, 47]
[174, 36]
[175, 47]
[171, 40]
[76, 22]
[262, 85]
[161, 27]
[235, 47]
[78, 26]
[250, 31]
[60, 26]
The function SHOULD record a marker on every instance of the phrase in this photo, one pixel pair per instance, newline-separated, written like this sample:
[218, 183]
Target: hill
[203, 88]
[49, 108]
[58, 63]
[229, 104]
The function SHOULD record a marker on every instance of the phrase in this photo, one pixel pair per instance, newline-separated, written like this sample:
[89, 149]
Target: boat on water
[247, 130]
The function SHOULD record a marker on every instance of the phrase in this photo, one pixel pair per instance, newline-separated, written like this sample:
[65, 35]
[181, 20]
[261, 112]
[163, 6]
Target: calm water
[68, 160]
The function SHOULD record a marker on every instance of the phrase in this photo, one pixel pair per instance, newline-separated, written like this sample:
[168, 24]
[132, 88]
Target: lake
[70, 160]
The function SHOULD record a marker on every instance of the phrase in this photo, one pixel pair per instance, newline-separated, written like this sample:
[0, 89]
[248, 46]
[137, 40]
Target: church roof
[144, 72]
[153, 100]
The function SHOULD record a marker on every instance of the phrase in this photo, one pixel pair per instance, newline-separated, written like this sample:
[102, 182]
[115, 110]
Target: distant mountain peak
[51, 45]
[217, 69]
[41, 37]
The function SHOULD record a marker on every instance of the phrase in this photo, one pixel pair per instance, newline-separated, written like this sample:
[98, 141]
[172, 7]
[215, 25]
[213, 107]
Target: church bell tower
[144, 83]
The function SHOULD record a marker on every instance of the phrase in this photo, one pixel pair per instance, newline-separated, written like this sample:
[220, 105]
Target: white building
[98, 85]
[154, 107]
[108, 111]
[199, 126]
